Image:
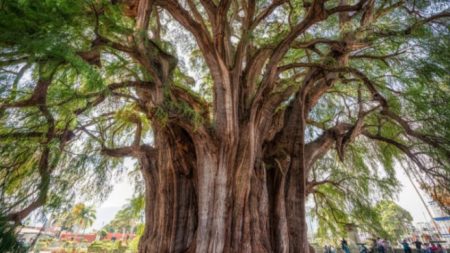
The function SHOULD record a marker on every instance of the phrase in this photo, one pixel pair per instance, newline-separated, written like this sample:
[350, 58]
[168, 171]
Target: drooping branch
[377, 57]
[129, 151]
[18, 216]
[313, 184]
[39, 95]
[357, 73]
[136, 149]
[408, 31]
[347, 8]
[22, 135]
[341, 135]
[11, 62]
[409, 131]
[320, 146]
[44, 166]
[402, 147]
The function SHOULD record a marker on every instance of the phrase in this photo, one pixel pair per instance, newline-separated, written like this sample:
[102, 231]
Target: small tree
[83, 216]
[80, 216]
[395, 221]
[127, 218]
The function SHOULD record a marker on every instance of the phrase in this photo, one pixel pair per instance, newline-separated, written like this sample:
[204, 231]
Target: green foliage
[395, 220]
[128, 218]
[40, 27]
[134, 244]
[8, 239]
[350, 195]
[79, 216]
[104, 246]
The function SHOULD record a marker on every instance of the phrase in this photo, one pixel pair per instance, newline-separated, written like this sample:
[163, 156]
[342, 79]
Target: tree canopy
[395, 220]
[241, 96]
[385, 219]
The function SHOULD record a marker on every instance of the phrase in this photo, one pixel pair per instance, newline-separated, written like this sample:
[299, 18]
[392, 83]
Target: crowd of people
[423, 247]
[383, 246]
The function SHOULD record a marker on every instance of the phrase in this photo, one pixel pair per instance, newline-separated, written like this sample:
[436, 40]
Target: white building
[441, 220]
[29, 234]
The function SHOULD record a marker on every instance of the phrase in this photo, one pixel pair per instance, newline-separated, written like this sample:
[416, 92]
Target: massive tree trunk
[217, 195]
[171, 204]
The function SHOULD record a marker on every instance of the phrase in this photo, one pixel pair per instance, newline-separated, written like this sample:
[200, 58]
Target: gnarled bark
[206, 195]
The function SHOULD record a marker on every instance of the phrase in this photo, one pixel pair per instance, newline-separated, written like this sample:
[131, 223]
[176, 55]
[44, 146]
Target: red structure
[118, 236]
[68, 236]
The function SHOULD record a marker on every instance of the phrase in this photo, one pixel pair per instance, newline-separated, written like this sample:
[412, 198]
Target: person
[406, 247]
[433, 248]
[426, 248]
[327, 249]
[344, 246]
[373, 246]
[418, 246]
[380, 246]
[387, 245]
[440, 249]
[363, 248]
[332, 249]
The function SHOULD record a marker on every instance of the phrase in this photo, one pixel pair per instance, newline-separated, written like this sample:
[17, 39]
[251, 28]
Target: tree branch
[398, 145]
[425, 138]
[347, 8]
[266, 12]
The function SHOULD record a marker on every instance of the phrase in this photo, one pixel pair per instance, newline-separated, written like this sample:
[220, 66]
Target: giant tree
[227, 107]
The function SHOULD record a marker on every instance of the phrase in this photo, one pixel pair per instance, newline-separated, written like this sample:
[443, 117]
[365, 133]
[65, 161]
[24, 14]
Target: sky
[123, 190]
[410, 200]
